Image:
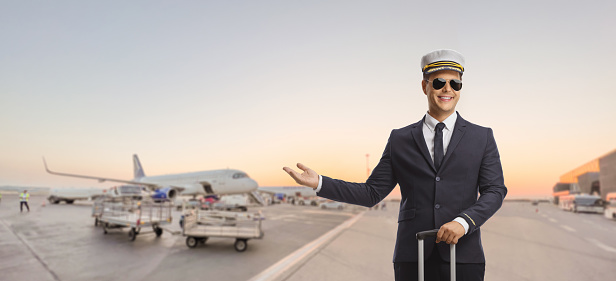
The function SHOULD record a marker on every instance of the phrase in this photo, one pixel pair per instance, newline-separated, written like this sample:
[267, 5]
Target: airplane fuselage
[227, 181]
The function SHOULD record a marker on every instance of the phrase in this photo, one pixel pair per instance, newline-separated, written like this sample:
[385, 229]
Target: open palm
[308, 178]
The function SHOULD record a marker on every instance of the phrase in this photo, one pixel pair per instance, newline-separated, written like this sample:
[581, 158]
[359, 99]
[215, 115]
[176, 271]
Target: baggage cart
[199, 225]
[117, 212]
[420, 259]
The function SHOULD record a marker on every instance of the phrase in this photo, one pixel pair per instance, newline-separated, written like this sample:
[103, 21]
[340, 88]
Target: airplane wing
[272, 189]
[267, 191]
[288, 190]
[152, 186]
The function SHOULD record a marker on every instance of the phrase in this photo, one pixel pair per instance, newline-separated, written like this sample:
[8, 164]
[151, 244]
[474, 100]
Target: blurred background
[258, 85]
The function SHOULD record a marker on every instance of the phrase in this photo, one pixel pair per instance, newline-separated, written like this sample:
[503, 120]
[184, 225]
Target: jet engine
[163, 194]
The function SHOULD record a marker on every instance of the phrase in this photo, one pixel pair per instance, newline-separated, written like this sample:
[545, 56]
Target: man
[441, 164]
[23, 200]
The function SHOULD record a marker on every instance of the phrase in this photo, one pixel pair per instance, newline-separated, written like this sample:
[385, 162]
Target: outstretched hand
[308, 178]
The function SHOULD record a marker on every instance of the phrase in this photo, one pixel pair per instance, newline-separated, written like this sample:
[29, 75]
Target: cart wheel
[105, 228]
[191, 242]
[132, 234]
[158, 231]
[203, 240]
[95, 221]
[241, 245]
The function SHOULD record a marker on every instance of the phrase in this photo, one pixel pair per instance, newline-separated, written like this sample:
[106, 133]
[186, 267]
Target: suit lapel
[458, 133]
[421, 143]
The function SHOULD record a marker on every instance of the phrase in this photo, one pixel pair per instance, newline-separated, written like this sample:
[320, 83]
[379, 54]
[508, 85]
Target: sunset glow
[260, 86]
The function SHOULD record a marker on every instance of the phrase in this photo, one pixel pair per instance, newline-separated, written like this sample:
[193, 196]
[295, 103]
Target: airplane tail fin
[137, 169]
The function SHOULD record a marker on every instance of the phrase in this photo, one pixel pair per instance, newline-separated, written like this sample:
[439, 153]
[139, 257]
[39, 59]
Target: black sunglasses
[439, 83]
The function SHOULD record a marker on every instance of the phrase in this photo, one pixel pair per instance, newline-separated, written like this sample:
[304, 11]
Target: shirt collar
[450, 122]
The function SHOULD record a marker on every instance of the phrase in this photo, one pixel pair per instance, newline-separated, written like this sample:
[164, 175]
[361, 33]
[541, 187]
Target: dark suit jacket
[431, 198]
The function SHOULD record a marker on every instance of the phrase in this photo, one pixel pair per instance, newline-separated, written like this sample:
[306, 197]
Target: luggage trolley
[199, 225]
[116, 212]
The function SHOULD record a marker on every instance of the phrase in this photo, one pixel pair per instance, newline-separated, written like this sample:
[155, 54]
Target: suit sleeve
[491, 187]
[380, 183]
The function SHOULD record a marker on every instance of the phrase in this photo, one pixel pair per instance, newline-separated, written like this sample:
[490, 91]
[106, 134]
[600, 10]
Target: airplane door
[222, 181]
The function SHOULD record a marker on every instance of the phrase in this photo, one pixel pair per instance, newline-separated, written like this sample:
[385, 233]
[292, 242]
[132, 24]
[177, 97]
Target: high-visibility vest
[24, 197]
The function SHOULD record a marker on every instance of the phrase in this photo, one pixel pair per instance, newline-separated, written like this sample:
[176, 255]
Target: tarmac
[521, 242]
[363, 250]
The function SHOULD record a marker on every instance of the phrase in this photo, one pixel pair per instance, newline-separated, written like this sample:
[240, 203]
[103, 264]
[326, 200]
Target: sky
[259, 85]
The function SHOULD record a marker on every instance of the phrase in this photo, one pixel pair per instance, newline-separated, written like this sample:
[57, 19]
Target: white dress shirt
[428, 132]
[429, 125]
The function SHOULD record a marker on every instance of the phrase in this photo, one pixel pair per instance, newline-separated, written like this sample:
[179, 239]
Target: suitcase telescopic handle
[428, 233]
[420, 259]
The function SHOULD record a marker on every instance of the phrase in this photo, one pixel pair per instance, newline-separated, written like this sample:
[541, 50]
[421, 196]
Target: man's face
[441, 102]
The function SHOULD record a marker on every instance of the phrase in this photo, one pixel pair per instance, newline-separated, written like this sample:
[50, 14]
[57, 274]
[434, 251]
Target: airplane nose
[253, 184]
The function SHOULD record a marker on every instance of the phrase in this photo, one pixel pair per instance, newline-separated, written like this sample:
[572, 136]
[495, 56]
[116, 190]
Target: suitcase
[420, 259]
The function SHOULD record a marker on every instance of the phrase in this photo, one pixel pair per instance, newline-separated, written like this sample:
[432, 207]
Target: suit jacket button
[438, 178]
[437, 206]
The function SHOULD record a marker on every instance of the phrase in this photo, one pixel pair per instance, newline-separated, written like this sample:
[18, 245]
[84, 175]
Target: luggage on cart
[199, 225]
[420, 259]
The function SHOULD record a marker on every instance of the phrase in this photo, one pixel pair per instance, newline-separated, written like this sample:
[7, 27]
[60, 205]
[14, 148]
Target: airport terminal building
[595, 177]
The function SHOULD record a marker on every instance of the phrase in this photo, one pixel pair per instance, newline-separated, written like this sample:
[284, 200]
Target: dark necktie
[438, 145]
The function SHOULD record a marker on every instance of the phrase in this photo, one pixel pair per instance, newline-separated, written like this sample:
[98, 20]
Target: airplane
[168, 187]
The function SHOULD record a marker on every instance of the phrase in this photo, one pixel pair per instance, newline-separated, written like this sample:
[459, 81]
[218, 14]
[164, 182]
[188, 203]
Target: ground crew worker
[23, 200]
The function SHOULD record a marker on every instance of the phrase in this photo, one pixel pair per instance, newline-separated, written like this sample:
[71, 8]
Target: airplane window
[239, 175]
